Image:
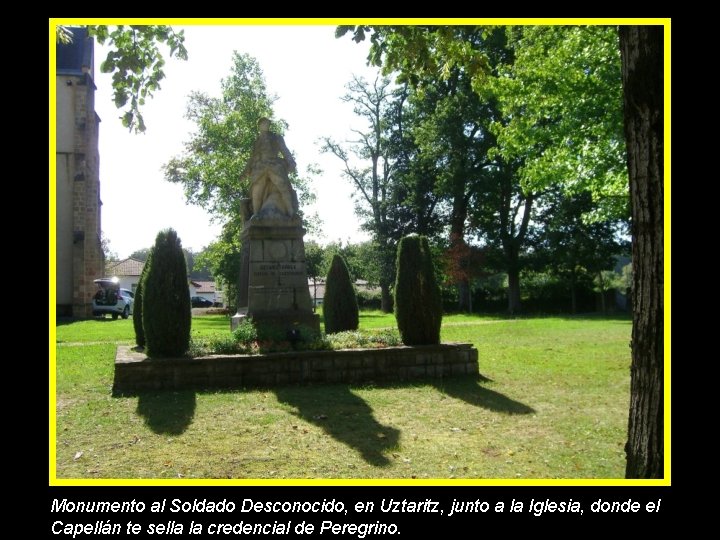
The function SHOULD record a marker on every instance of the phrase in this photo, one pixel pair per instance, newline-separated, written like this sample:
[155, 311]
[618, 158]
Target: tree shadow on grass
[167, 413]
[618, 316]
[345, 417]
[471, 391]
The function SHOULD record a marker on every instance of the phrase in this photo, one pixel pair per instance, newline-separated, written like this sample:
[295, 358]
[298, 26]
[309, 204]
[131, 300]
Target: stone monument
[273, 285]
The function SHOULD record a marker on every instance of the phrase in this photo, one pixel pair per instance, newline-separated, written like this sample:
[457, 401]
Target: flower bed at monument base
[134, 371]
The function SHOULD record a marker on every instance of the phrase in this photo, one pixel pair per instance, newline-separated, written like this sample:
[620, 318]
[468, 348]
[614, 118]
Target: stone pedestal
[273, 287]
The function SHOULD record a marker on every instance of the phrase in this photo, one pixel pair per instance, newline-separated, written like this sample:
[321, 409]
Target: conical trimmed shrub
[166, 314]
[418, 307]
[340, 305]
[137, 305]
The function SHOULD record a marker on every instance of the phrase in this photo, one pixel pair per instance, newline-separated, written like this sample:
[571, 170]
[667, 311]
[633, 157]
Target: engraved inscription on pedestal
[275, 284]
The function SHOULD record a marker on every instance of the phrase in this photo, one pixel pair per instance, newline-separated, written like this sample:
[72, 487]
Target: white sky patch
[305, 66]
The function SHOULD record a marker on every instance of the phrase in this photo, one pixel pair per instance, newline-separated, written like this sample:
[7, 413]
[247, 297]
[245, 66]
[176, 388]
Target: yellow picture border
[54, 481]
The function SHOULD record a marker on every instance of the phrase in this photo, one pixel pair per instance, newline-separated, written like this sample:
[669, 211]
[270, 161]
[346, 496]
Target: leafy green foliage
[136, 64]
[314, 265]
[166, 314]
[245, 332]
[270, 333]
[340, 304]
[215, 344]
[627, 276]
[222, 257]
[607, 280]
[368, 339]
[138, 304]
[246, 341]
[369, 299]
[226, 127]
[419, 51]
[561, 99]
[137, 315]
[141, 254]
[63, 34]
[573, 247]
[363, 260]
[314, 259]
[418, 308]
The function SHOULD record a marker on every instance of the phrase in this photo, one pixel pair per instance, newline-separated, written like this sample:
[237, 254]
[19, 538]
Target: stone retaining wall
[136, 372]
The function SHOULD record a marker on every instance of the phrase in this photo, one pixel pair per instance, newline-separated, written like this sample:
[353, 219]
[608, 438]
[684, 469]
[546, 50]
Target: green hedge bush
[418, 306]
[166, 311]
[137, 305]
[340, 305]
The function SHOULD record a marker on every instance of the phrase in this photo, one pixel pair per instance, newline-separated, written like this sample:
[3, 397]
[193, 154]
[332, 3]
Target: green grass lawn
[552, 403]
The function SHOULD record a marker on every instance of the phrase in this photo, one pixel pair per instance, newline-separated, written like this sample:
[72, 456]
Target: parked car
[110, 298]
[199, 301]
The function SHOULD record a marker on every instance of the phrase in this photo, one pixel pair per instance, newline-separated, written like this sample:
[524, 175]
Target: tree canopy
[500, 124]
[561, 112]
[561, 104]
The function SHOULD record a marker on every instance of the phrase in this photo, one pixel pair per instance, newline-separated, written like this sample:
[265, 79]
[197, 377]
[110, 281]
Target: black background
[408, 523]
[678, 502]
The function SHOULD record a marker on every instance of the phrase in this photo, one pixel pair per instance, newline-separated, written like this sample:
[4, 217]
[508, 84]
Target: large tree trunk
[642, 66]
[457, 234]
[513, 290]
[463, 295]
[511, 246]
[387, 273]
[385, 298]
[314, 295]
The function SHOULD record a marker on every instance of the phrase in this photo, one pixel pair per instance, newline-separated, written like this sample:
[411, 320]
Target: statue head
[264, 124]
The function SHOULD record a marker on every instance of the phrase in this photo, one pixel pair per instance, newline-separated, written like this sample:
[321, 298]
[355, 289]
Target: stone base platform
[136, 372]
